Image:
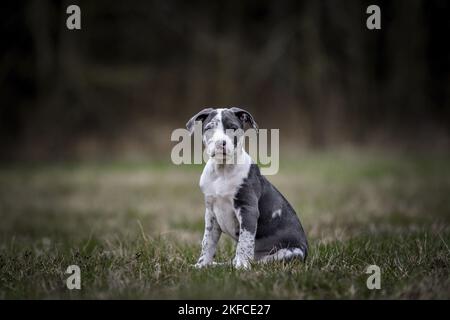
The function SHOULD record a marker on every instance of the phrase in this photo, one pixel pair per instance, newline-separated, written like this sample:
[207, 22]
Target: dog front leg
[245, 250]
[210, 239]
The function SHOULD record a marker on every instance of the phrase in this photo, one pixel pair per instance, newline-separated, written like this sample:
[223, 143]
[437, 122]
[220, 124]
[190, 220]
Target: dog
[239, 200]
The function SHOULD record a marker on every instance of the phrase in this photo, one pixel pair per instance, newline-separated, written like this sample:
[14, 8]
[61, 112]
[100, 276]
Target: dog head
[222, 130]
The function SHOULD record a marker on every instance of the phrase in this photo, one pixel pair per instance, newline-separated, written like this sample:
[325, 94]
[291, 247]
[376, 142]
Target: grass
[135, 230]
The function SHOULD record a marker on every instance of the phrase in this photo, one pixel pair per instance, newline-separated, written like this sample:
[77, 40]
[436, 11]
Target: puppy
[239, 200]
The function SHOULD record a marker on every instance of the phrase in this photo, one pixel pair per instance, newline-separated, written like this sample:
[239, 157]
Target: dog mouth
[221, 152]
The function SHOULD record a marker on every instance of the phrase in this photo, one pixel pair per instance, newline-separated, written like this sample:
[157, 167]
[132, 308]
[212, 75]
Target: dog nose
[221, 143]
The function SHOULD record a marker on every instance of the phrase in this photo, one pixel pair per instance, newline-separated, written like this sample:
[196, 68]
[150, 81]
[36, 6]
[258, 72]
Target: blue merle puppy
[239, 200]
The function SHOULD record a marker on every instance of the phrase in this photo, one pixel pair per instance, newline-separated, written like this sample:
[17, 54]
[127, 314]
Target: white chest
[225, 214]
[219, 189]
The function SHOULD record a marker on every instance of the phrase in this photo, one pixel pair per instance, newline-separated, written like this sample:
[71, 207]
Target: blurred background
[85, 123]
[137, 70]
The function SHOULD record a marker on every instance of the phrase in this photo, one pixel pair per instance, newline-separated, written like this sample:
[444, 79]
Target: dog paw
[241, 263]
[201, 263]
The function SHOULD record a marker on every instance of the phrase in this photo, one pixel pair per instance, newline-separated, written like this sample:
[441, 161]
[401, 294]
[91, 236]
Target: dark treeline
[139, 69]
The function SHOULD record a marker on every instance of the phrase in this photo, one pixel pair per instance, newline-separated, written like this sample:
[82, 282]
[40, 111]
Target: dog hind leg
[286, 254]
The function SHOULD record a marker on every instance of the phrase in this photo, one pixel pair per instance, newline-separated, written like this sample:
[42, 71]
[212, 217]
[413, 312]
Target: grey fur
[257, 199]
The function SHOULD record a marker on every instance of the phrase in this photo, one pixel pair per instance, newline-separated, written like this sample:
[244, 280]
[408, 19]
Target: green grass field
[135, 230]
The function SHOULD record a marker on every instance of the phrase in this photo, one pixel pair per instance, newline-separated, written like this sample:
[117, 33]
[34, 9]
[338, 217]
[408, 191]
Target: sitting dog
[239, 200]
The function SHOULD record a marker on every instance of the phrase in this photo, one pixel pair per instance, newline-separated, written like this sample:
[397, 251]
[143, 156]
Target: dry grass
[135, 230]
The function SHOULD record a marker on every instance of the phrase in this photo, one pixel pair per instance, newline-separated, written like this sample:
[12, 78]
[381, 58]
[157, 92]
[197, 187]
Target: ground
[135, 230]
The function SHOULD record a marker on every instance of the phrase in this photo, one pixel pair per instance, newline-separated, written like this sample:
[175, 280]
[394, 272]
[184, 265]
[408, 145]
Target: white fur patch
[218, 135]
[276, 213]
[224, 211]
[245, 250]
[220, 184]
[210, 239]
[283, 254]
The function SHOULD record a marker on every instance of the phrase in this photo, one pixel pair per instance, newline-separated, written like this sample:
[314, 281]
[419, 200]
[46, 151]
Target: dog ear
[198, 117]
[245, 117]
